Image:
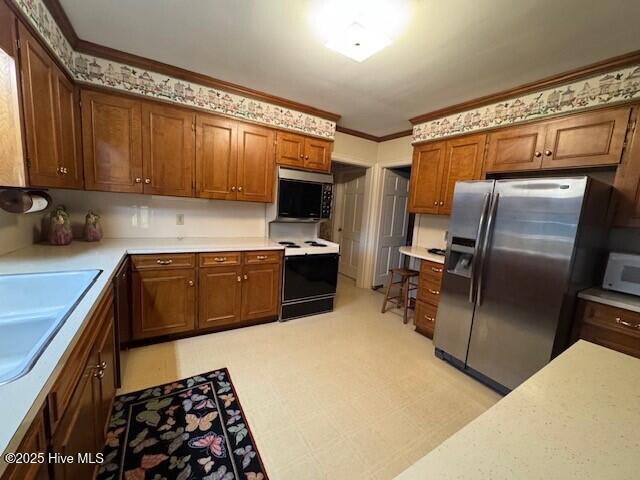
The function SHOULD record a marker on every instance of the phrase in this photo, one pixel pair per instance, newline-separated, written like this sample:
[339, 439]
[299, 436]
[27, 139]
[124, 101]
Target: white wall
[130, 215]
[354, 150]
[395, 152]
[17, 231]
[429, 231]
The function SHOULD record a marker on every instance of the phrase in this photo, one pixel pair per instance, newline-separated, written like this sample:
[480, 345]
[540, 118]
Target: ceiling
[450, 51]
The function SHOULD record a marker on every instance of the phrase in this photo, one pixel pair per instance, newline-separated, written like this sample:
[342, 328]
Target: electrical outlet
[179, 218]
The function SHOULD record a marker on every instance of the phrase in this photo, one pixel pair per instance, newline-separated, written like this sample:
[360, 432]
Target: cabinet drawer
[65, 384]
[431, 270]
[164, 261]
[425, 318]
[611, 338]
[267, 256]
[616, 319]
[429, 290]
[219, 259]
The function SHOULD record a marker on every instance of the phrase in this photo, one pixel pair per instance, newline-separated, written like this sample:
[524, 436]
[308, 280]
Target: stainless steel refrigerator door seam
[474, 262]
[488, 234]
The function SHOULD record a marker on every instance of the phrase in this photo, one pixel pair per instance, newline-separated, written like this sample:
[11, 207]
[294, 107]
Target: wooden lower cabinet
[34, 442]
[428, 296]
[260, 291]
[220, 296]
[163, 302]
[610, 327]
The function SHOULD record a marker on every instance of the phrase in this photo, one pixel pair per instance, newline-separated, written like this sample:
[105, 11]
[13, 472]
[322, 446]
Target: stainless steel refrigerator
[517, 253]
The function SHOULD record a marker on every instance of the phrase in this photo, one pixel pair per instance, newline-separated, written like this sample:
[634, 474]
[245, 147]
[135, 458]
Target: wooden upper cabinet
[8, 30]
[587, 139]
[216, 157]
[290, 149]
[627, 180]
[51, 116]
[168, 150]
[112, 142]
[255, 163]
[260, 291]
[317, 154]
[463, 161]
[426, 177]
[515, 149]
[163, 302]
[219, 296]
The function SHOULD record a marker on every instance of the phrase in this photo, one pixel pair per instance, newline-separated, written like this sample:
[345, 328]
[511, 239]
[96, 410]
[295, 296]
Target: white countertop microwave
[623, 273]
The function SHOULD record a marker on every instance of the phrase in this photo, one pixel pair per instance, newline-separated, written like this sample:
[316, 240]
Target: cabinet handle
[262, 257]
[239, 189]
[437, 270]
[219, 259]
[537, 154]
[431, 319]
[435, 204]
[306, 157]
[301, 156]
[190, 282]
[619, 321]
[239, 278]
[164, 262]
[433, 292]
[138, 180]
[547, 153]
[245, 277]
[62, 170]
[147, 181]
[99, 373]
[233, 189]
[441, 203]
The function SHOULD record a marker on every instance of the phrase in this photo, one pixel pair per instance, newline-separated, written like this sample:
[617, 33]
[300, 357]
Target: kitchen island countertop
[422, 253]
[576, 418]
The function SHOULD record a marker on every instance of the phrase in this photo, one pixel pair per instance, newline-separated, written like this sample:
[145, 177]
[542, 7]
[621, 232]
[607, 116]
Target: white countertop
[613, 299]
[576, 418]
[21, 399]
[422, 253]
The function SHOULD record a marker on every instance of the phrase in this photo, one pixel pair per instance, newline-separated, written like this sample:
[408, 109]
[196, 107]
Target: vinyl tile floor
[351, 394]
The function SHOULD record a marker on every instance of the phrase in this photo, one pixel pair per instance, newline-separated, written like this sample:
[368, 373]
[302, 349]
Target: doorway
[396, 223]
[345, 227]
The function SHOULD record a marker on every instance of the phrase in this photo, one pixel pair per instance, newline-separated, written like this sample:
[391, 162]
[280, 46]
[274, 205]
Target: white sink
[33, 307]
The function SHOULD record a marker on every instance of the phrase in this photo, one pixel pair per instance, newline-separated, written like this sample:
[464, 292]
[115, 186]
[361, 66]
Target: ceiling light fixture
[359, 28]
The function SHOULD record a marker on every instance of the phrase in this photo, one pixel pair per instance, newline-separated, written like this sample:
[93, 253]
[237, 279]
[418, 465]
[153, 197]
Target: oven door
[299, 200]
[309, 276]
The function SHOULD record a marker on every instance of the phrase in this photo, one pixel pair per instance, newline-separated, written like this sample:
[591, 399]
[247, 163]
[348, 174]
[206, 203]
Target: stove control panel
[327, 197]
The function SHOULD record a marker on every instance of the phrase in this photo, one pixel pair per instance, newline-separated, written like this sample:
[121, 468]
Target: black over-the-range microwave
[303, 196]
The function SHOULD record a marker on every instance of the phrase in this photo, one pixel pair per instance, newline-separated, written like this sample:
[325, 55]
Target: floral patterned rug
[185, 430]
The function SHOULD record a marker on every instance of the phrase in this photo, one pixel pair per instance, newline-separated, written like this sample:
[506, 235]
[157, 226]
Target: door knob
[147, 181]
[537, 154]
[547, 153]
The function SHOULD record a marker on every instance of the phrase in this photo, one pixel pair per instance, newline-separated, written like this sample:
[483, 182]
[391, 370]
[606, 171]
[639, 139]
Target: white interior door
[350, 238]
[393, 224]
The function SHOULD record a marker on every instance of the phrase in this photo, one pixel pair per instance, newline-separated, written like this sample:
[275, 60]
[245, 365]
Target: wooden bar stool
[405, 286]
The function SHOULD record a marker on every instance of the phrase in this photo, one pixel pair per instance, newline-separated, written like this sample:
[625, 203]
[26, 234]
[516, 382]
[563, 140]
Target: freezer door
[526, 269]
[455, 308]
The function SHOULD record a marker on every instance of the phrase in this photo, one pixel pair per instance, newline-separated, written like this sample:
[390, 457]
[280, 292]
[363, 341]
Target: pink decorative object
[60, 227]
[92, 228]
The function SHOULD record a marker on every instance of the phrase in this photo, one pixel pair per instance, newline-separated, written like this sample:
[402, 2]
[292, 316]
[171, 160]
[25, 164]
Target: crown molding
[554, 80]
[373, 138]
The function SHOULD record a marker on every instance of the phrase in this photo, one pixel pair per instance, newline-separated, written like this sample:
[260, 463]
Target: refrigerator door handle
[476, 252]
[485, 246]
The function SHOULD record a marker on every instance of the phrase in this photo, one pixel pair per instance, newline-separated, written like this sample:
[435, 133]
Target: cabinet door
[105, 377]
[163, 302]
[168, 150]
[112, 142]
[260, 291]
[34, 441]
[255, 163]
[627, 181]
[70, 144]
[290, 149]
[219, 296]
[216, 157]
[425, 318]
[426, 177]
[588, 139]
[8, 30]
[463, 161]
[76, 432]
[39, 76]
[515, 149]
[317, 154]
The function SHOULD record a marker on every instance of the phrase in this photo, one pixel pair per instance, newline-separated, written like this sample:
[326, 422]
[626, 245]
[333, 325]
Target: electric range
[310, 277]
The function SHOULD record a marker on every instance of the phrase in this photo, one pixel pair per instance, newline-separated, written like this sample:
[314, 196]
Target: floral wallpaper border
[618, 86]
[99, 71]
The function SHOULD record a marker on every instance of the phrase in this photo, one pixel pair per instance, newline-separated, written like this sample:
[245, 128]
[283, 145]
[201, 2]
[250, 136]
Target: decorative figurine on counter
[60, 227]
[92, 228]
